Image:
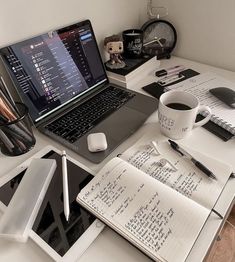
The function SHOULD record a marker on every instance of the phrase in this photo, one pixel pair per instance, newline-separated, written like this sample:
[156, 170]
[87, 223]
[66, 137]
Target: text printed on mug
[169, 123]
[166, 122]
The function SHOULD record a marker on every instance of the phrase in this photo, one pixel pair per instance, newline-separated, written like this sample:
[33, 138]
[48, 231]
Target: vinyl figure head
[114, 46]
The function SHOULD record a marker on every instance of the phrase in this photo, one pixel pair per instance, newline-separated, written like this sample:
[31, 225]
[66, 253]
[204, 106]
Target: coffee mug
[177, 113]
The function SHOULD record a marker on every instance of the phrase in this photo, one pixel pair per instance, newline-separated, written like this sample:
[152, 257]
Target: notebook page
[151, 215]
[168, 167]
[200, 86]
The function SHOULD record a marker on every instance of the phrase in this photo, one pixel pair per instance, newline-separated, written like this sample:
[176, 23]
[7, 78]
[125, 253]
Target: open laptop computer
[60, 76]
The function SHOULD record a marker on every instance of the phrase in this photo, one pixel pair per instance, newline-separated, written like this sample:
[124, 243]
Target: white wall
[20, 19]
[205, 28]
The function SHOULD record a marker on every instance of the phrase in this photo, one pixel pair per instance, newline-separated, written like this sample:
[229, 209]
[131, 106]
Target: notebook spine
[220, 122]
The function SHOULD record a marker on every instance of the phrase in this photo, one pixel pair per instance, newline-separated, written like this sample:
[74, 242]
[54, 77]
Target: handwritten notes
[144, 210]
[172, 173]
[150, 224]
[122, 200]
[171, 169]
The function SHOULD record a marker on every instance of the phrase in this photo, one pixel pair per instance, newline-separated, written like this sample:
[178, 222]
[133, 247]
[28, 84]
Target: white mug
[177, 113]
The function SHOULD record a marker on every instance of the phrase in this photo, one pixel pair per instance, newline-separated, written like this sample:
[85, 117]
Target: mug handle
[206, 119]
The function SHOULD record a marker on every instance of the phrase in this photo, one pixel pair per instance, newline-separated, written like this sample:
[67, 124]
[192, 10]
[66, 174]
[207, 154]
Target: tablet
[62, 240]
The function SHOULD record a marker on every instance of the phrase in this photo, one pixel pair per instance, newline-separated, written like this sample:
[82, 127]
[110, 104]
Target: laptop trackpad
[117, 127]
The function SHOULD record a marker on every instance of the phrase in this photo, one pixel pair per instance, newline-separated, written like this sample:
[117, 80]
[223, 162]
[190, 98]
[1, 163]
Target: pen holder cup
[16, 137]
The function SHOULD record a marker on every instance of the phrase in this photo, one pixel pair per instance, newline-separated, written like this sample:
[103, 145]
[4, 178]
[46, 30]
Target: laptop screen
[53, 69]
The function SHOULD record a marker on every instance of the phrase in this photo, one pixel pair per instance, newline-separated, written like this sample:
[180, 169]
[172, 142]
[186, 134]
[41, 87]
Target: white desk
[109, 246]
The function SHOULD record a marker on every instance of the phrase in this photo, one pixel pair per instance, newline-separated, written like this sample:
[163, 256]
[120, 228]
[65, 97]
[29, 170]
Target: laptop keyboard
[81, 119]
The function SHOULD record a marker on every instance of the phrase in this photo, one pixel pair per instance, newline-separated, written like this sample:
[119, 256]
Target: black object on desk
[156, 90]
[198, 164]
[224, 94]
[131, 65]
[215, 129]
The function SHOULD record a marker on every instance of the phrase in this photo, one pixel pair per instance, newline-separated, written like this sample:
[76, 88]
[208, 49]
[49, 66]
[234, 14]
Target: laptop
[60, 76]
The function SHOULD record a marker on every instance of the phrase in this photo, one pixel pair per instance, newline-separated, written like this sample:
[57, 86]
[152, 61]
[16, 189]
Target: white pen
[167, 77]
[65, 186]
[172, 70]
[171, 79]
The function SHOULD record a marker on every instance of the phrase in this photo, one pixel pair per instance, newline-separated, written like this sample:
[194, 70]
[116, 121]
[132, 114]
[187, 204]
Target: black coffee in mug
[178, 106]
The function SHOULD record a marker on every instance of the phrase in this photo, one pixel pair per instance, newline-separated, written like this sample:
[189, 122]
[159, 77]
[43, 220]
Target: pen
[198, 164]
[3, 119]
[65, 186]
[7, 96]
[170, 79]
[168, 76]
[175, 69]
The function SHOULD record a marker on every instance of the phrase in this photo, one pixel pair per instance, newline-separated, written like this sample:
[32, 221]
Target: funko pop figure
[114, 46]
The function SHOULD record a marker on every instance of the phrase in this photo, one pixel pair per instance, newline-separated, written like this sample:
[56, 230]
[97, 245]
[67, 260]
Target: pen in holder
[16, 136]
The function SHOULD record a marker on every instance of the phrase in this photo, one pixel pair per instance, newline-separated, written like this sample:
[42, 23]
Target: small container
[19, 216]
[16, 137]
[132, 42]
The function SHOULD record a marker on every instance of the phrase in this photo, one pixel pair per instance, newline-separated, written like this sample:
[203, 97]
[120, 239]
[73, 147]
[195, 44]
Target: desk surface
[109, 246]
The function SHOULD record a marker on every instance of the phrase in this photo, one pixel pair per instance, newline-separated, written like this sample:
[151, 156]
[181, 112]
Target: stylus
[65, 186]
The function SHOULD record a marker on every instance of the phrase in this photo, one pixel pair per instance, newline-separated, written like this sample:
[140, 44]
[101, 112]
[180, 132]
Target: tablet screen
[50, 223]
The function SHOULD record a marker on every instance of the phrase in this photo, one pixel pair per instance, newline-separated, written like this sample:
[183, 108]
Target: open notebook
[157, 200]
